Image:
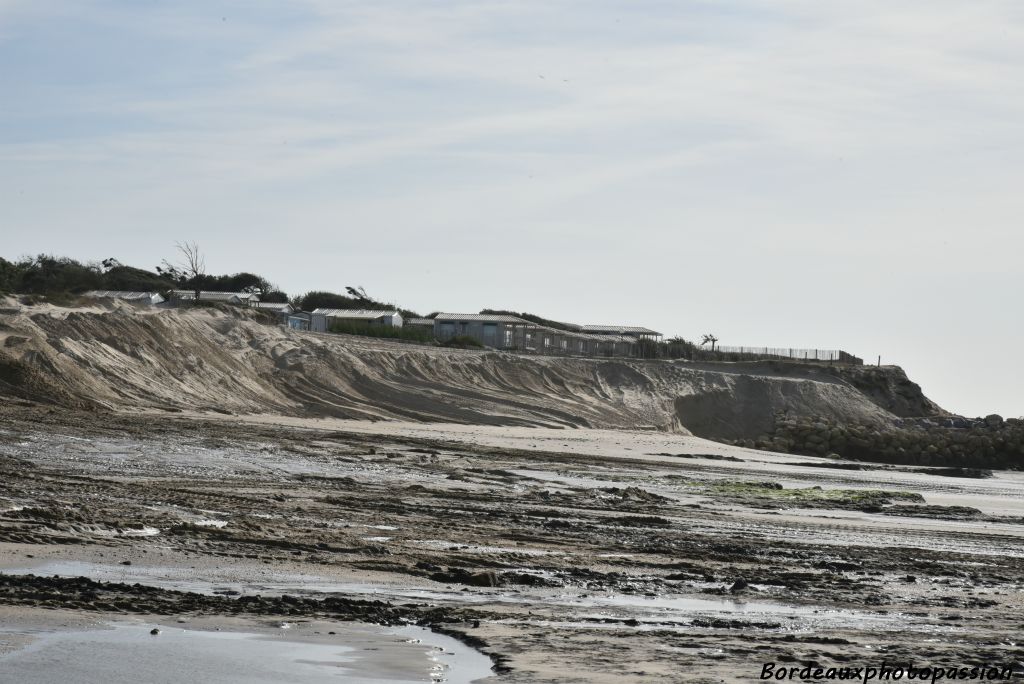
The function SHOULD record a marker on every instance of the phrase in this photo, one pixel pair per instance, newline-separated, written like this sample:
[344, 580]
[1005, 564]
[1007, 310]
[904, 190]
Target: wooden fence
[758, 353]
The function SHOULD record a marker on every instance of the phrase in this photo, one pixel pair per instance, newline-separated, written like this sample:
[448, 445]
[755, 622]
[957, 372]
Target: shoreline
[568, 546]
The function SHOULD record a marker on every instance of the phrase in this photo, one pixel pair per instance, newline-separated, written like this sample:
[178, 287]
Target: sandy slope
[125, 358]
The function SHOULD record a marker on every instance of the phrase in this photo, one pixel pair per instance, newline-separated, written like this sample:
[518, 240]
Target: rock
[488, 578]
[126, 562]
[424, 565]
[154, 631]
[738, 586]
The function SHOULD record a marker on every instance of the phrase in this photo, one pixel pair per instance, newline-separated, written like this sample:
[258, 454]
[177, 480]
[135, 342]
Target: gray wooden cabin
[322, 318]
[511, 333]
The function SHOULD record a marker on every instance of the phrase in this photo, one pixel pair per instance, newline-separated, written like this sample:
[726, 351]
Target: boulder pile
[989, 442]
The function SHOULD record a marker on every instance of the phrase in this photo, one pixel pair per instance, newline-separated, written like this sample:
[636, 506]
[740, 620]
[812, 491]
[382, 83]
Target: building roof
[275, 306]
[216, 296]
[477, 318]
[573, 335]
[121, 294]
[362, 314]
[618, 330]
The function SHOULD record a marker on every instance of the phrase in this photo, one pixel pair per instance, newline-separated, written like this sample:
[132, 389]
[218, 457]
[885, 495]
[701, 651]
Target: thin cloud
[728, 153]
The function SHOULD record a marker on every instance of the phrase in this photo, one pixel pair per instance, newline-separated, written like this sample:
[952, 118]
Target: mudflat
[569, 555]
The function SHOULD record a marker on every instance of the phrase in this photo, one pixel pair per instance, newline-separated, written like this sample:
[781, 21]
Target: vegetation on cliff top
[58, 277]
[356, 298]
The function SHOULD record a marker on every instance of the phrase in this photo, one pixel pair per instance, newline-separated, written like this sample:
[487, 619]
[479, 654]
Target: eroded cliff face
[891, 389]
[120, 358]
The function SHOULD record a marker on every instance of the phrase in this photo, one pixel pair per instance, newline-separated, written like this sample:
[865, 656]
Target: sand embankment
[121, 358]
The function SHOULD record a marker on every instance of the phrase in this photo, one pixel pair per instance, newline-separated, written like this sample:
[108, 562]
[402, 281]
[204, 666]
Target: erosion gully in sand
[568, 555]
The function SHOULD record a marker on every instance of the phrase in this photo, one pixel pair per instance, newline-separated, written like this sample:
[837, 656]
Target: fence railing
[828, 355]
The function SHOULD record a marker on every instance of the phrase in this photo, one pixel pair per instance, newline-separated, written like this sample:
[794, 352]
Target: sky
[797, 173]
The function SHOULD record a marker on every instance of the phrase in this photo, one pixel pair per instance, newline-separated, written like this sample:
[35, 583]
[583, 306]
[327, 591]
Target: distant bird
[540, 75]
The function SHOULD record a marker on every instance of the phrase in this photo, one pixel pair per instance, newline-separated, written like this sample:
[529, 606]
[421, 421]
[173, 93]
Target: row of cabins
[174, 296]
[496, 331]
[511, 333]
[499, 331]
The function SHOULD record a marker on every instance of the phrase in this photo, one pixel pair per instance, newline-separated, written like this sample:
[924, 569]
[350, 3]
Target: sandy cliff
[122, 358]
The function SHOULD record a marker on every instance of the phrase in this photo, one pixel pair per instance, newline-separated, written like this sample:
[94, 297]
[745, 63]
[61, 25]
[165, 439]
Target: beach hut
[324, 319]
[498, 331]
[280, 309]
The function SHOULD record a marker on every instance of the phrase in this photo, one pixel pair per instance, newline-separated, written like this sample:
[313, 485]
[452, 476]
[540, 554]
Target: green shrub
[355, 299]
[132, 279]
[60, 277]
[463, 342]
[382, 331]
[45, 274]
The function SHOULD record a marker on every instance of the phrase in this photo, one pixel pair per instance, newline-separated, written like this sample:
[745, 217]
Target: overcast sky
[788, 173]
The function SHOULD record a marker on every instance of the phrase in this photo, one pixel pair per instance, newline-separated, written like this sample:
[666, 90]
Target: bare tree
[709, 339]
[190, 270]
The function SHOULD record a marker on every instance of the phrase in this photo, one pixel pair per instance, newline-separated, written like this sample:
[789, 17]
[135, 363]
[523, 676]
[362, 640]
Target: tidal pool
[128, 652]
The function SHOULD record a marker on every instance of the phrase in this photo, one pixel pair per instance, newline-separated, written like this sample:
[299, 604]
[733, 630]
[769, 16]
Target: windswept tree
[190, 271]
[110, 264]
[709, 339]
[359, 292]
[46, 274]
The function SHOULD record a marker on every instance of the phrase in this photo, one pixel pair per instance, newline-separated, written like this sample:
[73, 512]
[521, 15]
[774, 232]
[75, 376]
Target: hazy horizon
[796, 175]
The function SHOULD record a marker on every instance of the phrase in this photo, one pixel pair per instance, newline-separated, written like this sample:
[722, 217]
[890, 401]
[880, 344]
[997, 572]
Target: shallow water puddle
[128, 652]
[676, 607]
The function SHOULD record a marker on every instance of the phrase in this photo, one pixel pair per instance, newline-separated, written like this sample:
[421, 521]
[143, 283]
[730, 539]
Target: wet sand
[563, 555]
